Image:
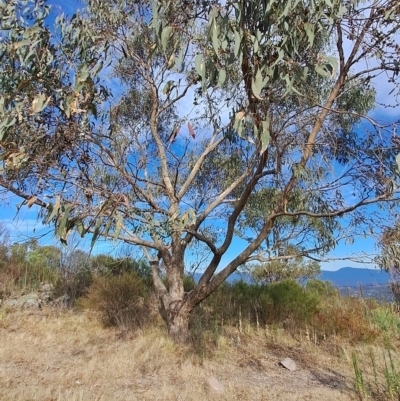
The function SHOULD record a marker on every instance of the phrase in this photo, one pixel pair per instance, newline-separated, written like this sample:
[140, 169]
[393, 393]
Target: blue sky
[26, 223]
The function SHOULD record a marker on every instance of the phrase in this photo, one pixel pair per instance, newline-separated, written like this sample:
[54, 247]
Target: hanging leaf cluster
[49, 83]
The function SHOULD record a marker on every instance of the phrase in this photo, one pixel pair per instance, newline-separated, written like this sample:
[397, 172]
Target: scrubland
[110, 344]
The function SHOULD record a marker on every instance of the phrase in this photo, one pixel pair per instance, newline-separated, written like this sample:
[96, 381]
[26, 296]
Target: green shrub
[291, 303]
[322, 288]
[385, 319]
[188, 283]
[121, 300]
[286, 303]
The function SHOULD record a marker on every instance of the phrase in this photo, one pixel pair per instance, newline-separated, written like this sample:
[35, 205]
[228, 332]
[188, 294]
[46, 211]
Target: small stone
[288, 364]
[214, 386]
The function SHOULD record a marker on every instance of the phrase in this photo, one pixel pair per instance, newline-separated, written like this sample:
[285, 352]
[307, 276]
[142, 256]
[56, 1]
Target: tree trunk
[178, 324]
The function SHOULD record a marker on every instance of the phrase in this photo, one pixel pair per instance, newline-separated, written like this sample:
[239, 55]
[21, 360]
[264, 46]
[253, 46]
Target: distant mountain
[232, 278]
[344, 277]
[368, 283]
[352, 277]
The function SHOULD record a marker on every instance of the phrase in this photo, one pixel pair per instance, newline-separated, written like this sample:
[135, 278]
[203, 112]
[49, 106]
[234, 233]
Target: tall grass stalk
[373, 362]
[359, 384]
[390, 372]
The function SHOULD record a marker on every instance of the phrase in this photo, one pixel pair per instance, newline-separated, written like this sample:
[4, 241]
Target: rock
[62, 301]
[288, 364]
[46, 287]
[31, 300]
[46, 292]
[215, 387]
[46, 297]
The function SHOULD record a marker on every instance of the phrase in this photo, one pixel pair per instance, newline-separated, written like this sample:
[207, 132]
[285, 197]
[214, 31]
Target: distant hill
[345, 277]
[368, 283]
[232, 278]
[352, 277]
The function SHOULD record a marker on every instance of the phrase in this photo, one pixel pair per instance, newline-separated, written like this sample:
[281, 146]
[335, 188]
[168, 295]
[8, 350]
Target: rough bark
[178, 324]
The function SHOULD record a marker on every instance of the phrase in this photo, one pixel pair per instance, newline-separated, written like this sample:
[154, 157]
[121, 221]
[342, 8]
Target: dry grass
[62, 355]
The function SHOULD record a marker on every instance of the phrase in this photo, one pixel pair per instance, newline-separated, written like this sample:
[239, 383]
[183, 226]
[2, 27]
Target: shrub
[347, 318]
[322, 288]
[188, 283]
[74, 284]
[15, 277]
[121, 300]
[285, 303]
[291, 304]
[385, 319]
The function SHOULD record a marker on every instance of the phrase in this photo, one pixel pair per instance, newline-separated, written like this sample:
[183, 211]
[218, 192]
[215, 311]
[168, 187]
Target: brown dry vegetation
[64, 355]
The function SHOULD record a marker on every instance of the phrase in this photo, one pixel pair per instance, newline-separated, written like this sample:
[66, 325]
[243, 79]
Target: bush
[123, 301]
[188, 283]
[347, 318]
[15, 277]
[322, 288]
[385, 319]
[291, 304]
[286, 303]
[74, 284]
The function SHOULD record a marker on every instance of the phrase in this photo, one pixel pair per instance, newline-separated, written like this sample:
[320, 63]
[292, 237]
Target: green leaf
[215, 40]
[155, 16]
[199, 64]
[39, 103]
[62, 230]
[165, 34]
[83, 74]
[309, 28]
[238, 124]
[108, 226]
[80, 228]
[398, 161]
[171, 61]
[258, 84]
[200, 68]
[265, 135]
[238, 41]
[118, 227]
[221, 77]
[21, 44]
[7, 122]
[96, 232]
[321, 70]
[53, 210]
[334, 63]
[168, 87]
[179, 60]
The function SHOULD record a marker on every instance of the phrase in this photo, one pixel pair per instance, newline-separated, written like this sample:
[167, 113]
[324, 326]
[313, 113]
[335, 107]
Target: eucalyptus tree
[245, 120]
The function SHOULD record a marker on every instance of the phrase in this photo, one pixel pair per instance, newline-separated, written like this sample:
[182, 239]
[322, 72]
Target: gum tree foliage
[244, 120]
[285, 267]
[389, 257]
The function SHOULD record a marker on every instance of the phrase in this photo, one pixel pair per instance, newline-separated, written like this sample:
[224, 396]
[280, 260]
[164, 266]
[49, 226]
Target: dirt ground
[58, 355]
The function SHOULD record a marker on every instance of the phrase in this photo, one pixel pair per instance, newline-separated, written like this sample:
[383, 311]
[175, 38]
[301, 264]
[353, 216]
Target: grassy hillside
[53, 355]
[111, 344]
